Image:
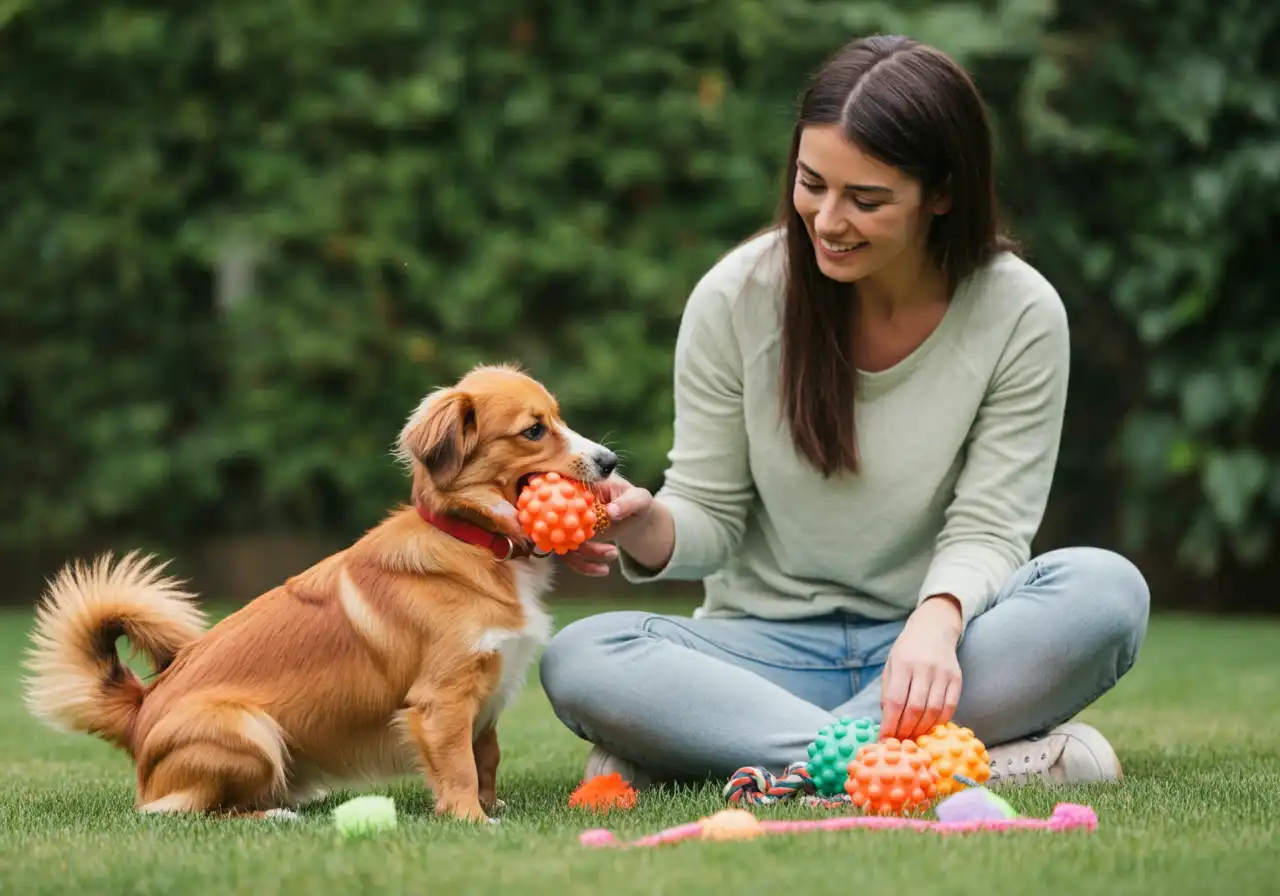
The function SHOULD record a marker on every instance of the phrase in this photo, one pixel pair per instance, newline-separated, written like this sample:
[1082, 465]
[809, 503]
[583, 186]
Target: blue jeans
[694, 698]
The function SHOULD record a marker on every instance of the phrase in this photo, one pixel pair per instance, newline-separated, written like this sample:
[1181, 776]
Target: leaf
[1205, 399]
[1232, 479]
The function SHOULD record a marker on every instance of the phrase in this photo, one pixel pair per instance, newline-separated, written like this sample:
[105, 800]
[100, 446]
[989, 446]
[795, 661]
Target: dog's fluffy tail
[77, 681]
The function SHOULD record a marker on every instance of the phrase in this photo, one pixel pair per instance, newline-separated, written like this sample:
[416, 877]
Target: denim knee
[573, 668]
[1111, 591]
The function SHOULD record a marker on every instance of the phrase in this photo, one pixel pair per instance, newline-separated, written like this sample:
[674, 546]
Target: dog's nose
[606, 462]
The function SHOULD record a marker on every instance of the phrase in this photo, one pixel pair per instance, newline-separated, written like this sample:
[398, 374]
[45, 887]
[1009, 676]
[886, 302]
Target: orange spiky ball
[891, 777]
[559, 513]
[603, 793]
[955, 750]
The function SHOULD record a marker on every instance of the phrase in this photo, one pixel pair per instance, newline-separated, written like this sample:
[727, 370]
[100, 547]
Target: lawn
[1196, 724]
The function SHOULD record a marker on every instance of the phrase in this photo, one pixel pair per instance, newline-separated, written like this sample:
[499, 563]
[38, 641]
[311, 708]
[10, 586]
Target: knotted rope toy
[752, 786]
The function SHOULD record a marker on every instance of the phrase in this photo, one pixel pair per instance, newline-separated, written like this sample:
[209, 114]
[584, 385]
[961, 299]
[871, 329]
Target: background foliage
[240, 241]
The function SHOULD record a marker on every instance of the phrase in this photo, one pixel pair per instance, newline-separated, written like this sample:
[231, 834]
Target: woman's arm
[1001, 494]
[999, 500]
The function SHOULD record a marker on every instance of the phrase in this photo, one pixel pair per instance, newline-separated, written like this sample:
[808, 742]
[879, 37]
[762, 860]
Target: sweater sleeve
[708, 486]
[1003, 488]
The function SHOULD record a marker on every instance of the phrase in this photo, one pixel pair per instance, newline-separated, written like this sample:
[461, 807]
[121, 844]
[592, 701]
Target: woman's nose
[828, 218]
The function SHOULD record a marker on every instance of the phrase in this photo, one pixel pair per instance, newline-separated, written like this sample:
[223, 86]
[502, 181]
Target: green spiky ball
[834, 748]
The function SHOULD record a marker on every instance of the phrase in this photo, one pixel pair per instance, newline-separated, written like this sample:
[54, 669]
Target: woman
[868, 404]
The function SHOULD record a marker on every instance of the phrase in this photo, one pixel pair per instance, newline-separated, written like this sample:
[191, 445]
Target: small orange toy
[730, 824]
[954, 750]
[891, 777]
[559, 513]
[602, 793]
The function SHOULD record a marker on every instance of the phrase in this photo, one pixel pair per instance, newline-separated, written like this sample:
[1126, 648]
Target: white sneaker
[601, 762]
[1074, 753]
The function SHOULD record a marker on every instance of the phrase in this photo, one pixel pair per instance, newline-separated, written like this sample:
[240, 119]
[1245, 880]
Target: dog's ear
[445, 437]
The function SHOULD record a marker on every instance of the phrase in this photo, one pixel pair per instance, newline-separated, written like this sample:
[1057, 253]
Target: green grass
[1196, 724]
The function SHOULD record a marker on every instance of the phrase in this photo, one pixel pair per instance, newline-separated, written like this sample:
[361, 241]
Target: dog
[393, 656]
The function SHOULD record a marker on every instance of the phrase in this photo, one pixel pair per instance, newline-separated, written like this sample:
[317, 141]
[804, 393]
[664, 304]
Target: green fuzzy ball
[365, 815]
[833, 750]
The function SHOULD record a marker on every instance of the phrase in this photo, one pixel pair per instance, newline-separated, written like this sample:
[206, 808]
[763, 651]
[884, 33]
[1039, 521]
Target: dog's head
[474, 445]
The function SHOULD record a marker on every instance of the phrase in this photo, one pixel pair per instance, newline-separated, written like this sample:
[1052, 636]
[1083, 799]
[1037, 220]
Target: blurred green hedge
[240, 240]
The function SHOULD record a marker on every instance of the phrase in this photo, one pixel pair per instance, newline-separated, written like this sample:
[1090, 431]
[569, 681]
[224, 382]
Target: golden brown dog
[393, 656]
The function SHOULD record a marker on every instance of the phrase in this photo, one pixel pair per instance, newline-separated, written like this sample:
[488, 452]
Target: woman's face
[864, 217]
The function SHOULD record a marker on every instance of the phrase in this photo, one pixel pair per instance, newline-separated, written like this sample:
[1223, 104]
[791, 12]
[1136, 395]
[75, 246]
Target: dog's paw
[281, 815]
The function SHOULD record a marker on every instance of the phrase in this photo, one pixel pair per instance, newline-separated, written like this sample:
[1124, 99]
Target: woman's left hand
[921, 684]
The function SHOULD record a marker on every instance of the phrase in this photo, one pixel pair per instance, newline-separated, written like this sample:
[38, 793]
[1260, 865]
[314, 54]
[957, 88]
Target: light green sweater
[958, 445]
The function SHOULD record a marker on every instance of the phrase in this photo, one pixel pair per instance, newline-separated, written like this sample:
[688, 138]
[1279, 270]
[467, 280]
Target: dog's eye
[535, 432]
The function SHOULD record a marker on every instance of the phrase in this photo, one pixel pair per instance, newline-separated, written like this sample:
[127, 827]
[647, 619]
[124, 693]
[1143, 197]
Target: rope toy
[752, 786]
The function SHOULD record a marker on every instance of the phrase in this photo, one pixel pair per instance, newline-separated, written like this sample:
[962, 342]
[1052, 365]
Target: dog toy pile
[365, 815]
[883, 777]
[890, 781]
[739, 824]
[559, 513]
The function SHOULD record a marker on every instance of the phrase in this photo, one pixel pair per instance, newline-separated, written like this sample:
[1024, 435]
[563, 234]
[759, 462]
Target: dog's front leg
[487, 756]
[440, 720]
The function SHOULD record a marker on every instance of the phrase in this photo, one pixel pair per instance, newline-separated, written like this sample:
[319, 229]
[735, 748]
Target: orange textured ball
[559, 513]
[955, 750]
[891, 777]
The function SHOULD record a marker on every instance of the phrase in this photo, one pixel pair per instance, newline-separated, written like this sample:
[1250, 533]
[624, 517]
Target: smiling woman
[869, 398]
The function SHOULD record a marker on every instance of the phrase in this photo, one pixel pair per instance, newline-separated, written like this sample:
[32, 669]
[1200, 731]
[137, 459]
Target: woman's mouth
[835, 250]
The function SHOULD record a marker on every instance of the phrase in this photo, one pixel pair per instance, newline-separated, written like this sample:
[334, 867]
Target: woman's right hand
[627, 505]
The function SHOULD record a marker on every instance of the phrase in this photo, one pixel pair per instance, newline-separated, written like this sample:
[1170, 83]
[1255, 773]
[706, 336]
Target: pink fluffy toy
[739, 824]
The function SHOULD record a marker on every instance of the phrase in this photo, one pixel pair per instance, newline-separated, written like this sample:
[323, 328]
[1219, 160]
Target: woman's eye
[867, 206]
[535, 432]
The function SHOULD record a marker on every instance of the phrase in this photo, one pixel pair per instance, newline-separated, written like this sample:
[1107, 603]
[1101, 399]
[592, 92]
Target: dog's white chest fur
[517, 648]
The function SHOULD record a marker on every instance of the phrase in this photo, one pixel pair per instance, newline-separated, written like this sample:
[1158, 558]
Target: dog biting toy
[954, 750]
[559, 513]
[730, 824]
[365, 815]
[834, 748]
[603, 793]
[891, 777]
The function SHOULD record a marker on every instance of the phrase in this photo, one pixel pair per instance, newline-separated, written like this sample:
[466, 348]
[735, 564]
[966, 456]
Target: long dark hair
[912, 107]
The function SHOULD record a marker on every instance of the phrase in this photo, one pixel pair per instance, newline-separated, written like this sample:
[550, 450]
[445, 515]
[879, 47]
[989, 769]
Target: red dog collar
[501, 546]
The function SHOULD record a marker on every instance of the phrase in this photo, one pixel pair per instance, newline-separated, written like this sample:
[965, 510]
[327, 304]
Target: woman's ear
[444, 438]
[941, 203]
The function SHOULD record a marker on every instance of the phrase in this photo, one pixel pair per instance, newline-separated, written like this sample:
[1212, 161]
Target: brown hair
[912, 107]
